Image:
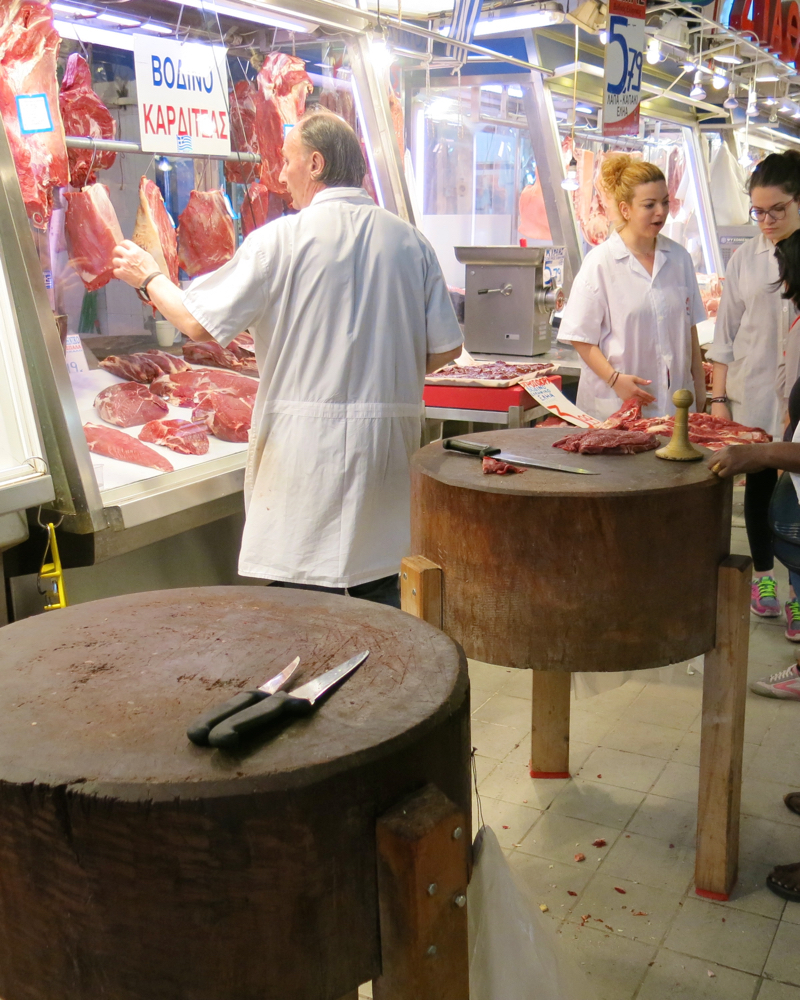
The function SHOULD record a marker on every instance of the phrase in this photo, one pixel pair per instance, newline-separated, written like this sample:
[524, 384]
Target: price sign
[623, 75]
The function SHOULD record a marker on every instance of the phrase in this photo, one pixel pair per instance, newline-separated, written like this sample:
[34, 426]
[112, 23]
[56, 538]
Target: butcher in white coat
[348, 309]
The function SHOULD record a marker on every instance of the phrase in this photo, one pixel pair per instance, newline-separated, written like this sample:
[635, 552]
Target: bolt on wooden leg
[423, 865]
[722, 735]
[421, 589]
[550, 724]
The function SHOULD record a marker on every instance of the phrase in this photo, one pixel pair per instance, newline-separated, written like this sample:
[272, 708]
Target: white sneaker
[784, 684]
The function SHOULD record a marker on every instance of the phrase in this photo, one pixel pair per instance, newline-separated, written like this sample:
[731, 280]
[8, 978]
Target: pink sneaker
[764, 597]
[792, 632]
[784, 684]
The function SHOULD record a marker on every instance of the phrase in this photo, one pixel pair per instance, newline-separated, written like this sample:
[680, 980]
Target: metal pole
[705, 209]
[118, 146]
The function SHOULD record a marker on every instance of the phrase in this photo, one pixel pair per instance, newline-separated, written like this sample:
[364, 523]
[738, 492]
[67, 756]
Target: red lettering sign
[170, 118]
[160, 126]
[148, 123]
[775, 22]
[791, 30]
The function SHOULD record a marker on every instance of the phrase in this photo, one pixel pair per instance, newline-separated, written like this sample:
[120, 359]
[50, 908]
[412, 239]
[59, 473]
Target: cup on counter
[165, 333]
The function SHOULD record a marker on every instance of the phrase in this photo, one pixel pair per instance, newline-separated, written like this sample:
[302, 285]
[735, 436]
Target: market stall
[163, 123]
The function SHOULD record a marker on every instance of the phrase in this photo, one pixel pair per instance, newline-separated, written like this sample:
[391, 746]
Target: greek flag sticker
[184, 144]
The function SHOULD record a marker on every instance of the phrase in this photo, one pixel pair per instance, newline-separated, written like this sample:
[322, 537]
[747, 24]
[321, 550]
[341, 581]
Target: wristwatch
[142, 292]
[719, 399]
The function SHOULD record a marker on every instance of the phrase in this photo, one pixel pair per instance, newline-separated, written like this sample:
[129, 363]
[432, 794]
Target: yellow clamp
[53, 571]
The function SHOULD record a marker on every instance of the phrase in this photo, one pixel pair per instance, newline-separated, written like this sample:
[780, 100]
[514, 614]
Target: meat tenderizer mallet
[679, 448]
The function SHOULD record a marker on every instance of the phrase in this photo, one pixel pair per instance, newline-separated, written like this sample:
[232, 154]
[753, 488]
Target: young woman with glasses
[751, 376]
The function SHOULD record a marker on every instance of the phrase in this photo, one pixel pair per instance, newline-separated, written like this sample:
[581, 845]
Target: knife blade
[475, 449]
[198, 732]
[299, 702]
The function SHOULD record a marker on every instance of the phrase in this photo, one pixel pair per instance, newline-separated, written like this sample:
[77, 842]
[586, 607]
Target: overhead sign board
[182, 91]
[623, 69]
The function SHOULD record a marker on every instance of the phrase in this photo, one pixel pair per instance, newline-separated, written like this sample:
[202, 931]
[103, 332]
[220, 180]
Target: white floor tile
[666, 819]
[505, 710]
[641, 913]
[510, 822]
[548, 882]
[513, 783]
[614, 964]
[679, 977]
[643, 738]
[719, 934]
[751, 893]
[678, 781]
[517, 683]
[484, 767]
[771, 990]
[561, 838]
[595, 801]
[496, 741]
[655, 706]
[773, 764]
[764, 798]
[783, 963]
[625, 770]
[763, 840]
[650, 862]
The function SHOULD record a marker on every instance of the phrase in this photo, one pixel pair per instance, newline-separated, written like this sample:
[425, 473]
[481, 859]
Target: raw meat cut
[674, 177]
[205, 233]
[552, 422]
[398, 121]
[154, 231]
[117, 444]
[84, 115]
[243, 345]
[533, 224]
[168, 362]
[499, 467]
[337, 95]
[506, 372]
[710, 432]
[243, 132]
[128, 404]
[184, 388]
[211, 353]
[133, 367]
[92, 232]
[227, 417]
[711, 294]
[259, 206]
[708, 372]
[183, 436]
[608, 442]
[283, 86]
[28, 51]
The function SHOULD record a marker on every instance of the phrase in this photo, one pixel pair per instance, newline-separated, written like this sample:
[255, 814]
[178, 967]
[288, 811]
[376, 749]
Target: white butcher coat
[344, 301]
[642, 324]
[750, 337]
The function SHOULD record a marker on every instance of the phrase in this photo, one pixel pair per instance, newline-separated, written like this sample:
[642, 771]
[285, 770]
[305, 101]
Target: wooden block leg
[351, 996]
[423, 865]
[722, 735]
[421, 589]
[550, 724]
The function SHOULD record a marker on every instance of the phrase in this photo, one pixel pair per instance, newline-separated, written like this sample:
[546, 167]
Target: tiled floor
[634, 760]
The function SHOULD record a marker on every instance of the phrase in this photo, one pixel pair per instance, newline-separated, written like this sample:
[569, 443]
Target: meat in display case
[141, 425]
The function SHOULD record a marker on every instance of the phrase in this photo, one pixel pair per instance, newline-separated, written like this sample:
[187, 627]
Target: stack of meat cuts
[92, 232]
[211, 353]
[84, 115]
[182, 436]
[608, 442]
[124, 448]
[128, 404]
[166, 362]
[205, 233]
[28, 51]
[154, 231]
[710, 432]
[228, 417]
[185, 388]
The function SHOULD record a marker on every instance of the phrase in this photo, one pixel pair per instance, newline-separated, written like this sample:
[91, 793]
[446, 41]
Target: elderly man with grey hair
[348, 309]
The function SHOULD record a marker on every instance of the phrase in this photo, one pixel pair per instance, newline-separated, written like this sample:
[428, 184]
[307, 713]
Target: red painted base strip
[550, 774]
[721, 897]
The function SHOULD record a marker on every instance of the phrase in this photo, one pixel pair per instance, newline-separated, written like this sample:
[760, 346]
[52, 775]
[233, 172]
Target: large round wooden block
[555, 571]
[136, 866]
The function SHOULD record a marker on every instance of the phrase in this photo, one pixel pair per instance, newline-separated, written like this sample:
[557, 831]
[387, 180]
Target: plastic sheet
[514, 951]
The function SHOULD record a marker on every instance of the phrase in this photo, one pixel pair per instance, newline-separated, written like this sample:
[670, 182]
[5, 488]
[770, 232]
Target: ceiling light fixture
[570, 182]
[719, 80]
[697, 93]
[538, 16]
[653, 51]
[730, 103]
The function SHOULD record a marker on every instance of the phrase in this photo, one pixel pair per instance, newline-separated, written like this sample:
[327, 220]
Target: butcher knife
[199, 730]
[477, 450]
[298, 702]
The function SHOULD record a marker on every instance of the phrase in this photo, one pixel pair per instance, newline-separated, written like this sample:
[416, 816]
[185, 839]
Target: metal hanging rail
[117, 146]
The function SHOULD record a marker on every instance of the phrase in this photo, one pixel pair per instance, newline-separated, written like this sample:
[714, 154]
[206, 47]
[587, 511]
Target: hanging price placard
[623, 76]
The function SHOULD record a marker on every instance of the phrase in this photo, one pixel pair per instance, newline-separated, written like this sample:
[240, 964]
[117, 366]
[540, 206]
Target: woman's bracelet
[611, 381]
[719, 399]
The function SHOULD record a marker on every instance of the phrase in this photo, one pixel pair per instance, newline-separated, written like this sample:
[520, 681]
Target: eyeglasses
[776, 213]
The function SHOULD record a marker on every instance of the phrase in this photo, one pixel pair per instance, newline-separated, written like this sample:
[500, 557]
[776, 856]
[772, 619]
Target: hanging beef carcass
[259, 206]
[337, 95]
[154, 231]
[92, 232]
[283, 86]
[533, 224]
[205, 233]
[243, 132]
[84, 115]
[28, 51]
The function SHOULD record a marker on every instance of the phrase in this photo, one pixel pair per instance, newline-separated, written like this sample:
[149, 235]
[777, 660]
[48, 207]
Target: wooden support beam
[421, 589]
[722, 735]
[423, 854]
[550, 724]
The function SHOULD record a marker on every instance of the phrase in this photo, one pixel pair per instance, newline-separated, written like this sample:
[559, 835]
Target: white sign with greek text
[552, 399]
[182, 90]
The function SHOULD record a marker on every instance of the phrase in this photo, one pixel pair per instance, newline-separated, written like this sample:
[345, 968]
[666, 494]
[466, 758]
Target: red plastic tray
[472, 397]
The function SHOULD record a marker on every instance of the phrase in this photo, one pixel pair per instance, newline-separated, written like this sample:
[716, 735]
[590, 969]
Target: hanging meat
[205, 233]
[154, 231]
[283, 86]
[117, 444]
[337, 96]
[675, 168]
[84, 115]
[182, 436]
[127, 404]
[242, 102]
[533, 224]
[259, 206]
[92, 232]
[28, 51]
[398, 121]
